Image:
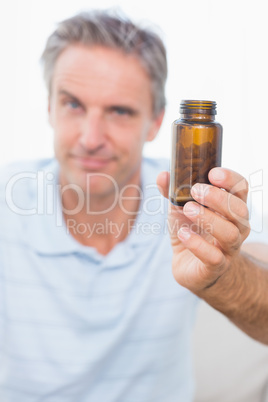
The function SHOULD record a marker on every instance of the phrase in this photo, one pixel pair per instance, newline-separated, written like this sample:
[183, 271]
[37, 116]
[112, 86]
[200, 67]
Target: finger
[226, 233]
[162, 182]
[209, 254]
[231, 181]
[229, 206]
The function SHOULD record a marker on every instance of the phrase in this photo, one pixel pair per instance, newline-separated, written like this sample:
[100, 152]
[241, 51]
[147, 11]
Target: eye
[73, 104]
[122, 111]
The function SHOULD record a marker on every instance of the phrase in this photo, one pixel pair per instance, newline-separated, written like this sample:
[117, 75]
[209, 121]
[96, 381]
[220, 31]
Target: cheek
[136, 143]
[65, 134]
[128, 147]
[129, 138]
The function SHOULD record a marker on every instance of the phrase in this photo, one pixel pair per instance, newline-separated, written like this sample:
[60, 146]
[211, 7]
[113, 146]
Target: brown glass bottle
[196, 148]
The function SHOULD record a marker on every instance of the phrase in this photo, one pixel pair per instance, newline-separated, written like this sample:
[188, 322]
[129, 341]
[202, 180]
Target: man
[90, 309]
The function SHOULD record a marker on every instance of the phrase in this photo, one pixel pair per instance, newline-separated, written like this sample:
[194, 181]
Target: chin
[95, 183]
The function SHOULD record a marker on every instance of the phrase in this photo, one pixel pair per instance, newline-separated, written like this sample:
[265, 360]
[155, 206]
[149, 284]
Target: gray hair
[107, 28]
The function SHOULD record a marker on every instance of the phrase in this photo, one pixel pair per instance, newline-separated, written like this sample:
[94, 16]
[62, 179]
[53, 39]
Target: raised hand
[206, 239]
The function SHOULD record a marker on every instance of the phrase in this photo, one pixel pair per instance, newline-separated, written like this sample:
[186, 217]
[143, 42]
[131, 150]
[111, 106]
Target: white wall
[216, 51]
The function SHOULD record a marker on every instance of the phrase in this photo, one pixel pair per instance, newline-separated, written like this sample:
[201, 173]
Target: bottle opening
[198, 106]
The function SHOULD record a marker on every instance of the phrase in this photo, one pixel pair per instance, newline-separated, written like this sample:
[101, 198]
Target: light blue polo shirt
[77, 326]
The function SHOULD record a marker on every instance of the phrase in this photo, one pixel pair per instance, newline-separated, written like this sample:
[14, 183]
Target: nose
[92, 131]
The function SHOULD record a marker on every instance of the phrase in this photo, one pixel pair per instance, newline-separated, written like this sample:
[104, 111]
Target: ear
[155, 126]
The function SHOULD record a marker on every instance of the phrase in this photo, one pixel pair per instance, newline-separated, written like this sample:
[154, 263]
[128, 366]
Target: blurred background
[216, 51]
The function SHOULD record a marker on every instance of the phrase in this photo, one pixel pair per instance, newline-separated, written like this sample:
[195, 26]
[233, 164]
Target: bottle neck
[197, 116]
[198, 110]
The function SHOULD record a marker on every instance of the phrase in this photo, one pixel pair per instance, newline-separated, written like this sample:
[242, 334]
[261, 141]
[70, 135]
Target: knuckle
[198, 242]
[216, 258]
[240, 187]
[243, 211]
[217, 194]
[234, 236]
[247, 230]
[246, 186]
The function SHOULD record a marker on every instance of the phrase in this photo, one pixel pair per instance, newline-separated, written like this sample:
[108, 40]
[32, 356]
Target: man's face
[101, 111]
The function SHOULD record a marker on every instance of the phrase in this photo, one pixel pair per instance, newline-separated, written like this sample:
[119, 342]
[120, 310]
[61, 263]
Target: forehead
[102, 71]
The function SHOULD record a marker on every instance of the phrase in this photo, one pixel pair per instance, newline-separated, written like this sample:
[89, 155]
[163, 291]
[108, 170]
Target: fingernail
[191, 209]
[184, 233]
[217, 174]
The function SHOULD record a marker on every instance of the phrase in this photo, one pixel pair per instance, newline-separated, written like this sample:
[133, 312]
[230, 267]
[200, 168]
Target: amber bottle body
[196, 149]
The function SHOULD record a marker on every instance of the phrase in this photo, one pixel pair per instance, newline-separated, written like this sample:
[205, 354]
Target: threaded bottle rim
[198, 106]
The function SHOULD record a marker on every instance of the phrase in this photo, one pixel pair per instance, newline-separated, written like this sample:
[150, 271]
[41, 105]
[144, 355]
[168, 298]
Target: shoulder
[21, 187]
[153, 166]
[24, 166]
[20, 179]
[157, 163]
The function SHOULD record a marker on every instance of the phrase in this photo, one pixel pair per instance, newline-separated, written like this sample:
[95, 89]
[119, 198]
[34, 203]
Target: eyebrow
[129, 109]
[64, 92]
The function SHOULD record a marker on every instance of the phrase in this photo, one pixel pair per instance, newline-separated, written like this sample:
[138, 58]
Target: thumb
[162, 182]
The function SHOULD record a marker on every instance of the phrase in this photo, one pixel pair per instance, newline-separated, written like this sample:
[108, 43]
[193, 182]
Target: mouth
[92, 163]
